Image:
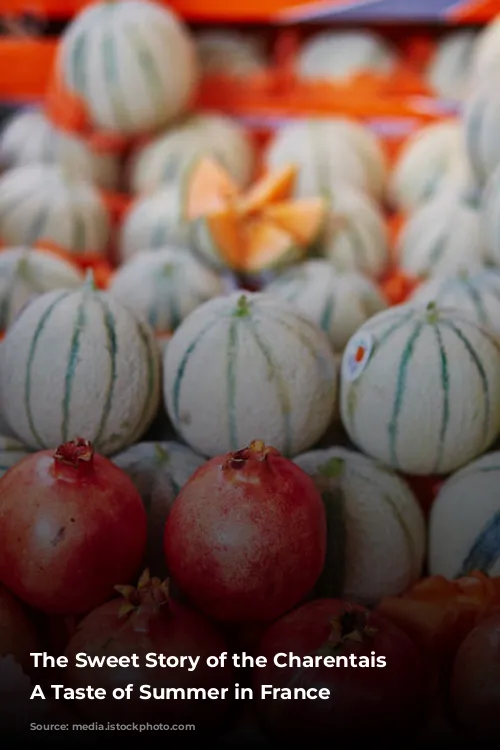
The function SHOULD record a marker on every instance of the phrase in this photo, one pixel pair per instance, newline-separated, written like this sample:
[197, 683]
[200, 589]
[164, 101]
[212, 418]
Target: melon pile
[242, 350]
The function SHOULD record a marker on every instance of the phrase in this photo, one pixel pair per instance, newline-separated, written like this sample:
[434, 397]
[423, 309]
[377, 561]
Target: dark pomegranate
[71, 525]
[147, 620]
[365, 702]
[475, 681]
[245, 539]
[18, 634]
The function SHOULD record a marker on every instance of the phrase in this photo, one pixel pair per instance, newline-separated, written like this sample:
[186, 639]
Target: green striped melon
[30, 138]
[154, 221]
[487, 51]
[490, 213]
[376, 531]
[247, 367]
[46, 202]
[433, 158]
[229, 52]
[444, 236]
[477, 294]
[464, 525]
[420, 388]
[11, 452]
[79, 363]
[132, 63]
[449, 69]
[164, 286]
[336, 302]
[330, 153]
[168, 157]
[355, 236]
[158, 471]
[340, 54]
[481, 121]
[26, 274]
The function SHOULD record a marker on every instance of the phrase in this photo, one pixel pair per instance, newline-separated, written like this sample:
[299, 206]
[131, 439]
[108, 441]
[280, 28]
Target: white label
[357, 355]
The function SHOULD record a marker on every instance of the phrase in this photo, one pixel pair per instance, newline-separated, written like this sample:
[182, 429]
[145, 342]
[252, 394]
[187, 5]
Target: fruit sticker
[356, 356]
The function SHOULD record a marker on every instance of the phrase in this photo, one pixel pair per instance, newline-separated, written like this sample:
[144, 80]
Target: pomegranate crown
[146, 598]
[257, 450]
[350, 625]
[75, 453]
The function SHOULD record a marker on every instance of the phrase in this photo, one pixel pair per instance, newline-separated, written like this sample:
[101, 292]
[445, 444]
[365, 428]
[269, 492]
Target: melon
[248, 365]
[342, 54]
[420, 389]
[254, 230]
[30, 138]
[11, 452]
[167, 157]
[355, 237]
[490, 216]
[229, 52]
[487, 50]
[132, 64]
[477, 294]
[464, 534]
[443, 236]
[158, 471]
[432, 158]
[26, 274]
[164, 286]
[449, 69]
[481, 119]
[45, 202]
[153, 221]
[336, 302]
[329, 152]
[376, 531]
[80, 363]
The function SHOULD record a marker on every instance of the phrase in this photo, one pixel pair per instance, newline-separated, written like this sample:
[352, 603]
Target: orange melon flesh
[209, 189]
[225, 229]
[274, 187]
[266, 245]
[303, 219]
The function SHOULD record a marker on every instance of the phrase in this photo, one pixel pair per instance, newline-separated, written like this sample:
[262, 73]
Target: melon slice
[210, 188]
[252, 231]
[273, 187]
[267, 245]
[303, 219]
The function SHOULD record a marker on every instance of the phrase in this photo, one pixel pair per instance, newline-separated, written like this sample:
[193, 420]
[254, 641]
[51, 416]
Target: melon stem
[89, 284]
[242, 307]
[333, 468]
[432, 312]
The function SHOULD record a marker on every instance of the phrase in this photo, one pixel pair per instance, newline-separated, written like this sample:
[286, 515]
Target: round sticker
[357, 355]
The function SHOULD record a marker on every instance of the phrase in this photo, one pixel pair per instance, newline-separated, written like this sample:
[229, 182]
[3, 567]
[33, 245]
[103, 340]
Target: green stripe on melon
[427, 400]
[11, 452]
[376, 531]
[80, 364]
[241, 368]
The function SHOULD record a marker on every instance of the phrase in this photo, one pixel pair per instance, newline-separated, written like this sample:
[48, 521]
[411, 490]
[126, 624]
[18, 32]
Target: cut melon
[238, 230]
[304, 220]
[275, 186]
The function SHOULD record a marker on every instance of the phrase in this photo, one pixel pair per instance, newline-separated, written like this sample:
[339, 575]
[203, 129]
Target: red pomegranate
[18, 634]
[475, 681]
[365, 702]
[71, 525]
[147, 620]
[245, 539]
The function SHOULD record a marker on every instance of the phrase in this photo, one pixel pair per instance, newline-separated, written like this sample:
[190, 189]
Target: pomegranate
[246, 536]
[18, 635]
[71, 524]
[475, 681]
[365, 702]
[147, 620]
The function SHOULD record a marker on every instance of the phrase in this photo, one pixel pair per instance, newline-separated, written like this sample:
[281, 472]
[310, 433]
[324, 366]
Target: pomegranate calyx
[349, 626]
[75, 453]
[257, 450]
[146, 598]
